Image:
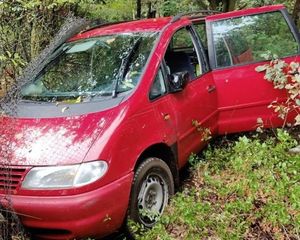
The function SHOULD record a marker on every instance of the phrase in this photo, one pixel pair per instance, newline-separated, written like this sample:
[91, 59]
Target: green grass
[247, 189]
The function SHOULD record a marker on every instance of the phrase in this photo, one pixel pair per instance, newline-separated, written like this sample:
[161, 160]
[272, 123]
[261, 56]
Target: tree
[296, 13]
[27, 26]
[221, 5]
[138, 9]
[229, 5]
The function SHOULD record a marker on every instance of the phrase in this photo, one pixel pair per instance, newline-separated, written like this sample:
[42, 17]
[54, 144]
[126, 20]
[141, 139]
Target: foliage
[112, 11]
[248, 3]
[284, 76]
[26, 27]
[204, 131]
[246, 190]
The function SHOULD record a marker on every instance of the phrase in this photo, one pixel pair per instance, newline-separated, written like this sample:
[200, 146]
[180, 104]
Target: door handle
[211, 88]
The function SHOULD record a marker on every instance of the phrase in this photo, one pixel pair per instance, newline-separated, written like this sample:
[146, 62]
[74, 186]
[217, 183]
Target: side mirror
[178, 80]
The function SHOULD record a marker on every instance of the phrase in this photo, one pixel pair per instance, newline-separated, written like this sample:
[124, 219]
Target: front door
[195, 107]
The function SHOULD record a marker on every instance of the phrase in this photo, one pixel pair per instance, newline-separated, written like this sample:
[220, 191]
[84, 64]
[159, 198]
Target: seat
[179, 62]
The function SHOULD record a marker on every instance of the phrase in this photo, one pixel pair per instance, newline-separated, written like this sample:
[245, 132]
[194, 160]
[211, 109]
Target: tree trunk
[231, 5]
[149, 10]
[296, 13]
[228, 5]
[138, 9]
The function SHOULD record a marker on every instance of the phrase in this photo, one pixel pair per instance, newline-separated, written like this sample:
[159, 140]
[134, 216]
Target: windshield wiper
[125, 65]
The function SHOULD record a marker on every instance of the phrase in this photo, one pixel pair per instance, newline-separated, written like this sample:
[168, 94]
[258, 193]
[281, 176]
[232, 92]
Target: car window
[158, 87]
[182, 40]
[250, 38]
[182, 54]
[100, 66]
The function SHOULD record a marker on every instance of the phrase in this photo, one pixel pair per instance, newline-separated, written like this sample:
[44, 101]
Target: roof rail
[193, 15]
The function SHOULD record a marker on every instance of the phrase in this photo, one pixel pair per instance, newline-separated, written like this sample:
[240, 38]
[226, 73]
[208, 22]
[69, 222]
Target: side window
[249, 38]
[182, 40]
[182, 54]
[158, 87]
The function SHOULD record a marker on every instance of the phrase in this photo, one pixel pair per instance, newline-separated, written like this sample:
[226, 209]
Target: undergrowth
[247, 189]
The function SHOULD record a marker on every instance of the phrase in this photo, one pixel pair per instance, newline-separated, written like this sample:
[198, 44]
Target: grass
[246, 189]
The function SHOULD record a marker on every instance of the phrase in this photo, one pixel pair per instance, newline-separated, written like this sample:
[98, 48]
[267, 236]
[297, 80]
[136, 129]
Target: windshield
[102, 66]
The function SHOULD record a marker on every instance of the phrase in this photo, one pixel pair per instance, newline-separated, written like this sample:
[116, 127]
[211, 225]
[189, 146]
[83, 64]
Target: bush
[284, 76]
[247, 189]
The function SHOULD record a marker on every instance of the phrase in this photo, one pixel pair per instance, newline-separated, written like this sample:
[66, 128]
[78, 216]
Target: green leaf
[261, 68]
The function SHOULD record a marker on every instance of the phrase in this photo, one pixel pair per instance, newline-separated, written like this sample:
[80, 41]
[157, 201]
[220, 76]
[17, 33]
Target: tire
[152, 187]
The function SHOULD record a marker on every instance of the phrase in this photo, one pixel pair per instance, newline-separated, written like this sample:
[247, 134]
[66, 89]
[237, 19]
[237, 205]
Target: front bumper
[93, 214]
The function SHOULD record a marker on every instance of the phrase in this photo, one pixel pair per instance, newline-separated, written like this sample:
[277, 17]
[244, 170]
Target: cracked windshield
[103, 66]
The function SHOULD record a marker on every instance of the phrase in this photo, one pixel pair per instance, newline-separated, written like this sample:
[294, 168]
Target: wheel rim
[152, 199]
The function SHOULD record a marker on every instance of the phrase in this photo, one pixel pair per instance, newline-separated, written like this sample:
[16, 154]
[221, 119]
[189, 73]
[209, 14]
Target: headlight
[64, 176]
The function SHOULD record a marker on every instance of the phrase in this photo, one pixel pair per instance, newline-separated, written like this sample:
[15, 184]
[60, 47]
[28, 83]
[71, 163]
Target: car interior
[181, 55]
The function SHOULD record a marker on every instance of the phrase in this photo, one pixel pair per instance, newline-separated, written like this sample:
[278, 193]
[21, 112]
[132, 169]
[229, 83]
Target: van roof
[144, 25]
[157, 24]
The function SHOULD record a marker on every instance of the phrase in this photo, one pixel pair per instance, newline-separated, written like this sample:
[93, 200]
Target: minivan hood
[50, 141]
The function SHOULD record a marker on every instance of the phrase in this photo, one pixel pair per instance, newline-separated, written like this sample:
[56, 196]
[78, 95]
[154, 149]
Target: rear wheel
[152, 187]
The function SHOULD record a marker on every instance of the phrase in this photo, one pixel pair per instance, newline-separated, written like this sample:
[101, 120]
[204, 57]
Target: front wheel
[152, 187]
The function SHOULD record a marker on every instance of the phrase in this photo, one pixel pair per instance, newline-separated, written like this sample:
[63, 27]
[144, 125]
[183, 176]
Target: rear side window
[248, 39]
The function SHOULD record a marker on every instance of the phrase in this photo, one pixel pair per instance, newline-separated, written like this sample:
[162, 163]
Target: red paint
[145, 25]
[239, 107]
[93, 213]
[225, 100]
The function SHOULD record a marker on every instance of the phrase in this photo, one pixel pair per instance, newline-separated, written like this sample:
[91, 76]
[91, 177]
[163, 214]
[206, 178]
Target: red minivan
[99, 135]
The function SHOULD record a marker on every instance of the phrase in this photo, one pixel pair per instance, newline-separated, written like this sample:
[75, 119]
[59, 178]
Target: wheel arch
[164, 152]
